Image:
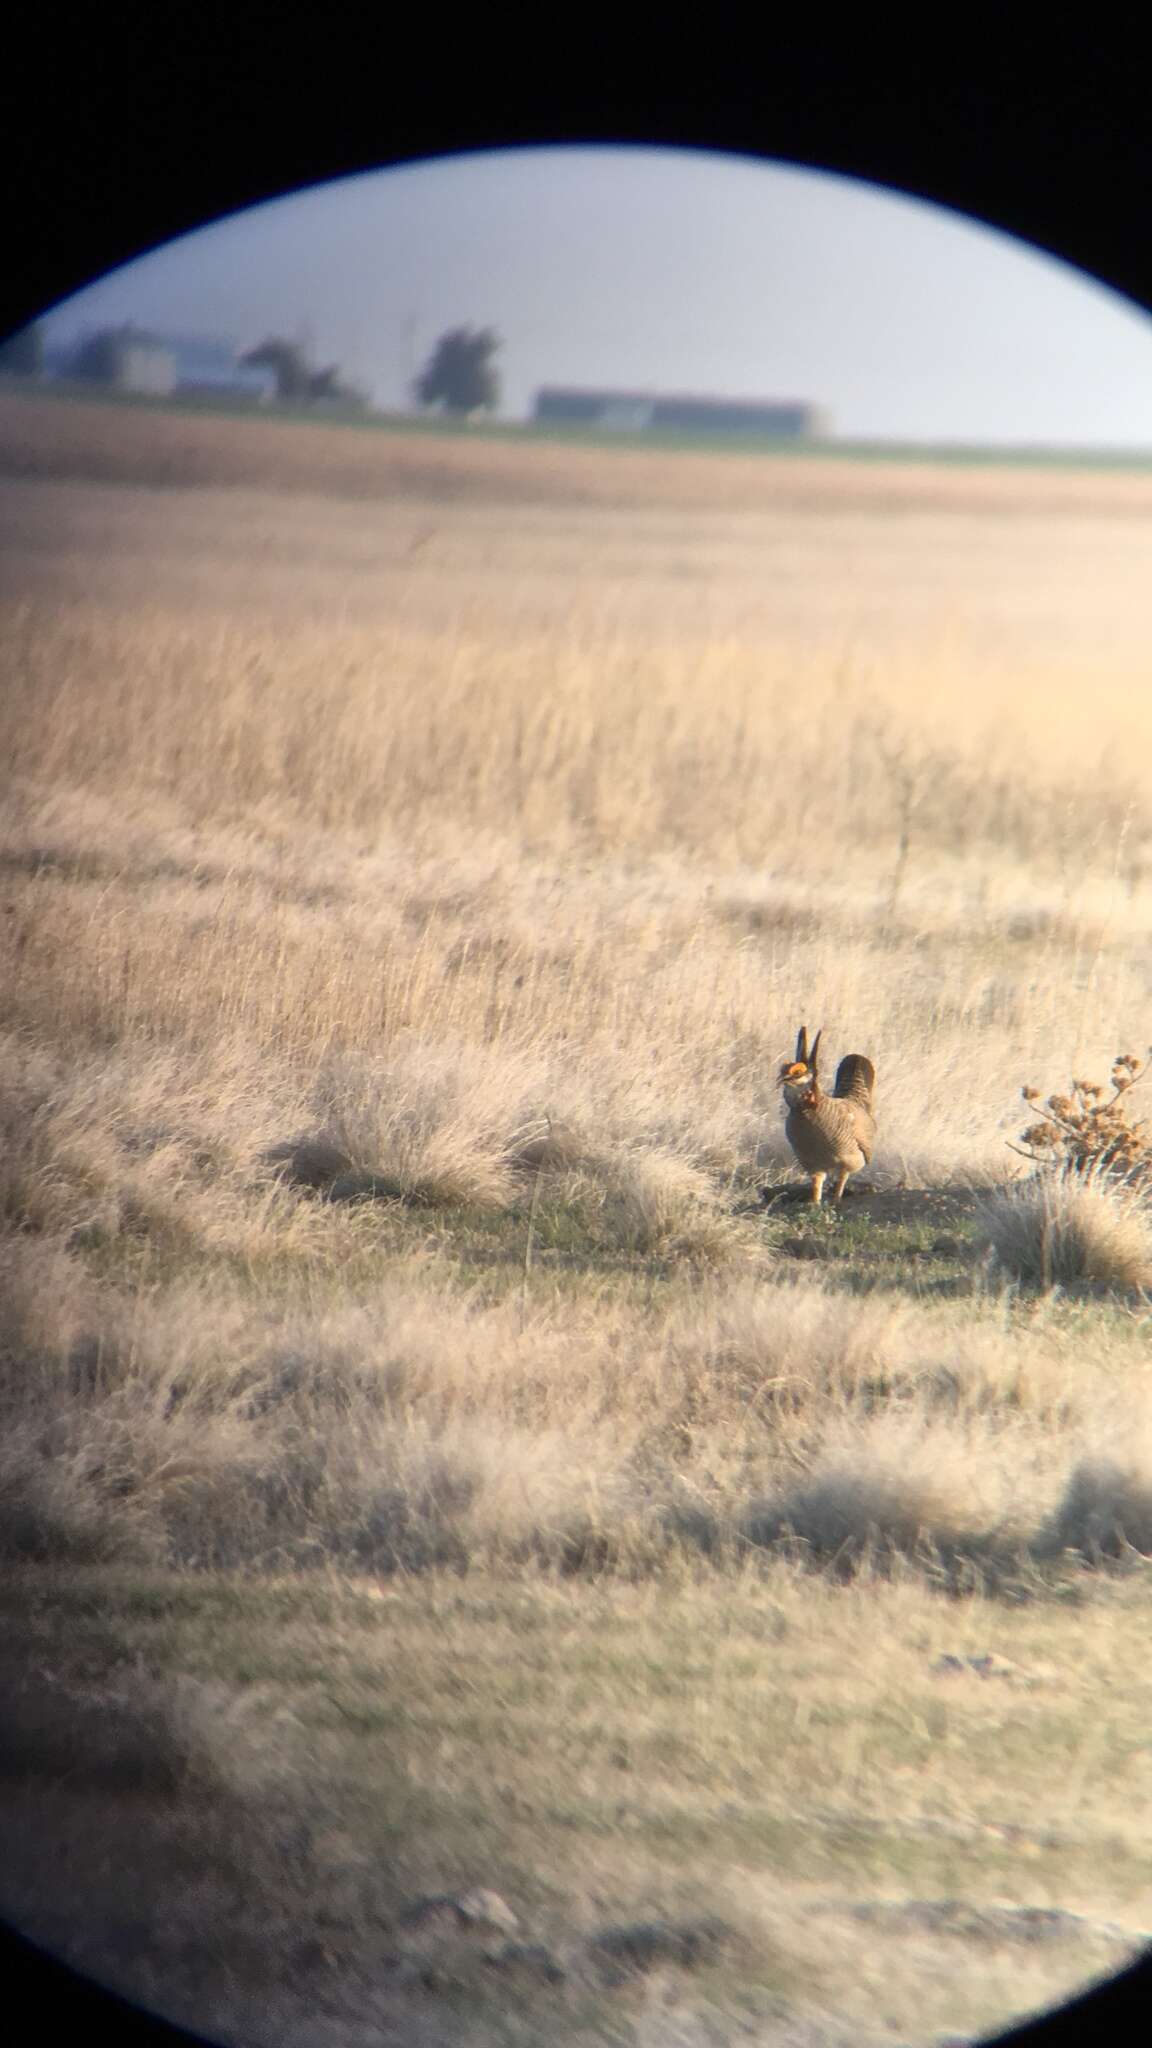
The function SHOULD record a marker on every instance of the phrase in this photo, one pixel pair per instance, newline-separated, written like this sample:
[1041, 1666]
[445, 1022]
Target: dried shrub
[1089, 1131]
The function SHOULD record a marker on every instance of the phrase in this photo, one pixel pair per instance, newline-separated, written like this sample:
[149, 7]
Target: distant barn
[640, 412]
[146, 365]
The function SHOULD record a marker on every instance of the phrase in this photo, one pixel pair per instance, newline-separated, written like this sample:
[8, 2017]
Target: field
[440, 1456]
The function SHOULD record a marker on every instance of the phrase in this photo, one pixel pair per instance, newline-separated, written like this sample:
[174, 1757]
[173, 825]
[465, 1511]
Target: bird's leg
[842, 1183]
[818, 1180]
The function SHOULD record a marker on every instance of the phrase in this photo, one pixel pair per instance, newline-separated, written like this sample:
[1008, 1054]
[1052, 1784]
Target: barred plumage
[829, 1133]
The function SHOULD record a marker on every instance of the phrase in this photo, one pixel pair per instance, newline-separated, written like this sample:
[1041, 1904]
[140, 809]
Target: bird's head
[797, 1076]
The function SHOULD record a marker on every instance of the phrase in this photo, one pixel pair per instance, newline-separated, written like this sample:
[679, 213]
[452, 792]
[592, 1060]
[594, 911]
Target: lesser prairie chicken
[830, 1134]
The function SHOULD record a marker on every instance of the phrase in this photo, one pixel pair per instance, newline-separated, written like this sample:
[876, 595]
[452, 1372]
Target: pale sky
[666, 270]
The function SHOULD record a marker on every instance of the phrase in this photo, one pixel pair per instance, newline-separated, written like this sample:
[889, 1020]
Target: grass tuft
[659, 1205]
[1067, 1231]
[1106, 1508]
[893, 1489]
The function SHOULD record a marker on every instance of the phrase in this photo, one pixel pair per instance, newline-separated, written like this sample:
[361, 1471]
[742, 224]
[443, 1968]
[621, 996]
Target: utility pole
[408, 364]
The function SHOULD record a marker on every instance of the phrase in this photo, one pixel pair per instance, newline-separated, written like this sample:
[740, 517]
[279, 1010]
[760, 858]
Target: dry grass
[384, 1422]
[378, 929]
[42, 437]
[409, 888]
[841, 1813]
[1064, 1230]
[1106, 1509]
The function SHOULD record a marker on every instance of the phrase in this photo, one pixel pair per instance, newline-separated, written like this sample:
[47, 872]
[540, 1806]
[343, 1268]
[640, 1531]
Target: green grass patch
[600, 1758]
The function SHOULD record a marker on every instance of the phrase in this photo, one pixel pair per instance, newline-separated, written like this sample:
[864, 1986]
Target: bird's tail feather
[856, 1078]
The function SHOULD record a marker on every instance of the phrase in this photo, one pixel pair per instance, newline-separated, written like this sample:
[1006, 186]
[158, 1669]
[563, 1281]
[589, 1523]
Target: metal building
[637, 412]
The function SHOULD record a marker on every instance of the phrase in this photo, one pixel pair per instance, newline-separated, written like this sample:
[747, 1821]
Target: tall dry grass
[390, 1420]
[490, 848]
